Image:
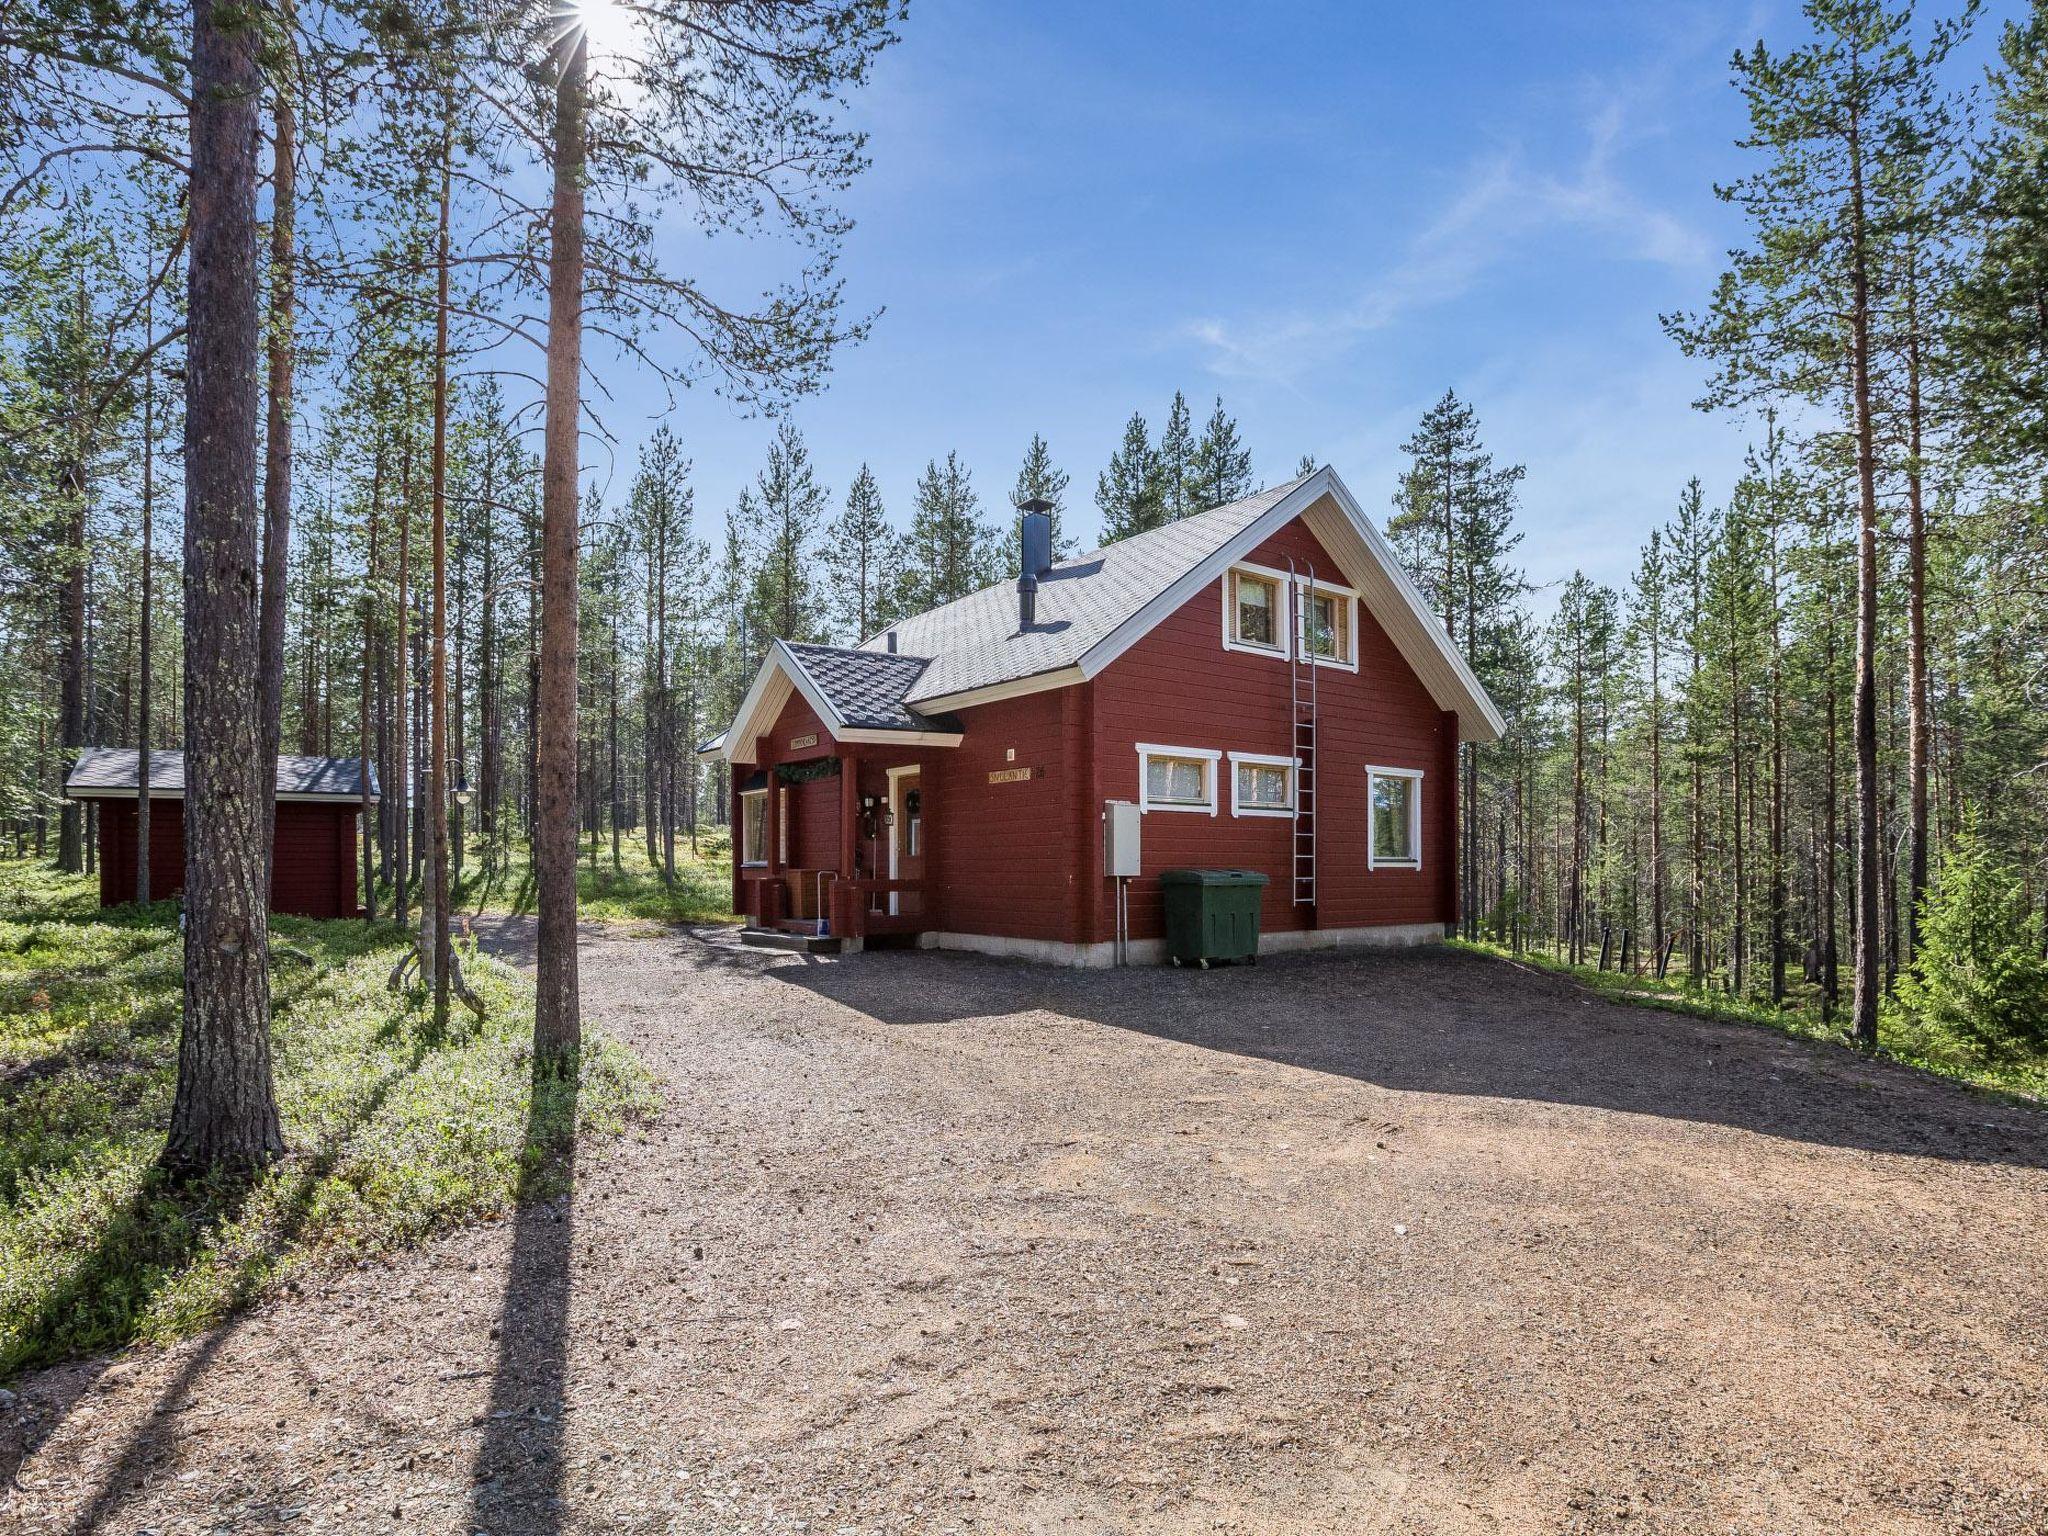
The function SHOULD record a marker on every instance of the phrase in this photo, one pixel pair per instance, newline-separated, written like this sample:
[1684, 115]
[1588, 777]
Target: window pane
[1262, 786]
[754, 829]
[1176, 781]
[1392, 825]
[1254, 610]
[1326, 623]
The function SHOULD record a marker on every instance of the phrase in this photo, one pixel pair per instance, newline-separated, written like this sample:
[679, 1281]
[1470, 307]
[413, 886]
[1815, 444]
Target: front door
[906, 842]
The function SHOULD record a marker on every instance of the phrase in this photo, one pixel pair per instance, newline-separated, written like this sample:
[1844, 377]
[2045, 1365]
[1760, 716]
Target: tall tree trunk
[224, 1112]
[437, 676]
[557, 1017]
[1868, 914]
[71, 490]
[144, 638]
[365, 741]
[401, 701]
[1918, 733]
[277, 444]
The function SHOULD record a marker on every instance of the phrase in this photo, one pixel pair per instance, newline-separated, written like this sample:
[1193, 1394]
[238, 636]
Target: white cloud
[1502, 204]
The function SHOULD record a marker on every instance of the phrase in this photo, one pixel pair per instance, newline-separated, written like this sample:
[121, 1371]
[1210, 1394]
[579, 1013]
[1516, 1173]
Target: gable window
[1326, 625]
[1254, 610]
[1177, 779]
[1261, 785]
[754, 826]
[1395, 798]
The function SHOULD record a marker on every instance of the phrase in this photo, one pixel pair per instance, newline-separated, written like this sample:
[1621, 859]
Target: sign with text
[1011, 775]
[798, 743]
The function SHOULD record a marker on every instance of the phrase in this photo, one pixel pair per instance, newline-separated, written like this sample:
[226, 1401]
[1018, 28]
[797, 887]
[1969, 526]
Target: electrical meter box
[1120, 822]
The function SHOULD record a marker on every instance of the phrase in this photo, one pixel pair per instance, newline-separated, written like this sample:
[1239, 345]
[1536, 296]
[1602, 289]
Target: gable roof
[103, 772]
[1092, 609]
[1089, 611]
[865, 688]
[974, 642]
[859, 695]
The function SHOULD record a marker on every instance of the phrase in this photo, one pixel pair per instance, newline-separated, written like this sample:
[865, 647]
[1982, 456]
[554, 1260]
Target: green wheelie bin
[1212, 914]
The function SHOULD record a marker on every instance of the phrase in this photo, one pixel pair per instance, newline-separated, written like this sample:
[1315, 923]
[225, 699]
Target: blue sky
[1326, 213]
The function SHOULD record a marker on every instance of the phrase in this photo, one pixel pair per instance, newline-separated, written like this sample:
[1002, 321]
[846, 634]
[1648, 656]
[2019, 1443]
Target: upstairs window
[1326, 625]
[1255, 610]
[1395, 798]
[1177, 779]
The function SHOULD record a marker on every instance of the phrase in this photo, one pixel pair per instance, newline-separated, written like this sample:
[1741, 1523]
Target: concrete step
[794, 943]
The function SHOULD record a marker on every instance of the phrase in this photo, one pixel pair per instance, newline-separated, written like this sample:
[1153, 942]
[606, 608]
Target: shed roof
[103, 772]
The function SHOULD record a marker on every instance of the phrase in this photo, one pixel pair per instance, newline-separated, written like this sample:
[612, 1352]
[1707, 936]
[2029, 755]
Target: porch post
[843, 896]
[736, 813]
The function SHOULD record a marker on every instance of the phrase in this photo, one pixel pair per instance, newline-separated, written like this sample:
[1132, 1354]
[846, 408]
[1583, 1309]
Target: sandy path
[926, 1242]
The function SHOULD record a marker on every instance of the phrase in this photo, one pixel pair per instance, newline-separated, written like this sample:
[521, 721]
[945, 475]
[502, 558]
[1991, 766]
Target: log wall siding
[1179, 687]
[1023, 859]
[313, 867]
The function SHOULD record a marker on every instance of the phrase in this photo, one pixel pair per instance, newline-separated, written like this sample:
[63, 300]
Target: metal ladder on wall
[1302, 679]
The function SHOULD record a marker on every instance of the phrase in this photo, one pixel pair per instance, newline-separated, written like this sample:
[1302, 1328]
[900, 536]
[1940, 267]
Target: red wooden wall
[1380, 714]
[1023, 858]
[313, 872]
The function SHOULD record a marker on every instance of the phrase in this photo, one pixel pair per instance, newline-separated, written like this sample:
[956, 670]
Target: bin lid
[1211, 877]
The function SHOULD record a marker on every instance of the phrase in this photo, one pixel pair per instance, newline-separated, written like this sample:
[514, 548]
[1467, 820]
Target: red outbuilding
[1262, 682]
[319, 805]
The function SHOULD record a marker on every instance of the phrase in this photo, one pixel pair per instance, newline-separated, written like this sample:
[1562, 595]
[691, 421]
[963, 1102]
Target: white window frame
[760, 794]
[1265, 760]
[1414, 776]
[1349, 597]
[1208, 757]
[1280, 620]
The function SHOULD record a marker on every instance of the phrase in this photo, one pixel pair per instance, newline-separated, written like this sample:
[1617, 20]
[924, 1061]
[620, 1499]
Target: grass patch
[395, 1135]
[1900, 1038]
[702, 892]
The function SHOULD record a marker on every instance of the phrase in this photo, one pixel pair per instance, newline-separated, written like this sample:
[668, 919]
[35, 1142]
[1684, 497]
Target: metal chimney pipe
[1034, 555]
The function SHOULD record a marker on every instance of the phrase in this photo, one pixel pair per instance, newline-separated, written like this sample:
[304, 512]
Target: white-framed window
[1259, 607]
[1255, 610]
[1261, 785]
[1177, 778]
[753, 826]
[1329, 627]
[1394, 811]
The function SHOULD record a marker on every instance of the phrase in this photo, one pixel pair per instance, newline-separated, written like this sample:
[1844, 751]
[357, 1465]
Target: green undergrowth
[394, 1134]
[1900, 1037]
[701, 892]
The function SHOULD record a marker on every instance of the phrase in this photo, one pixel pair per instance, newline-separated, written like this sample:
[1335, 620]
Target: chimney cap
[1034, 504]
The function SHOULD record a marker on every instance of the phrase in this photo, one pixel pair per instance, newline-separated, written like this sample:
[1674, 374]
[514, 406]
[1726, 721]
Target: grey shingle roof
[103, 769]
[866, 687]
[976, 642]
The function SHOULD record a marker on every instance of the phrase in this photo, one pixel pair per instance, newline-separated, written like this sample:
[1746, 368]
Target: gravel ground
[1413, 1242]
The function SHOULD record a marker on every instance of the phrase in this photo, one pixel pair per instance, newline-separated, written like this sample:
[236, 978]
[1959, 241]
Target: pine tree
[859, 557]
[1178, 494]
[1222, 468]
[788, 502]
[951, 551]
[1130, 493]
[1038, 479]
[1798, 313]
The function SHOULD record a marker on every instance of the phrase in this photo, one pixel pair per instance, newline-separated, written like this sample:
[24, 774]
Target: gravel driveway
[1411, 1242]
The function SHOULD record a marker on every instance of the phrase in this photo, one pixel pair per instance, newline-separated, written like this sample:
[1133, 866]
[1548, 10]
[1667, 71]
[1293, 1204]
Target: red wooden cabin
[319, 804]
[1262, 679]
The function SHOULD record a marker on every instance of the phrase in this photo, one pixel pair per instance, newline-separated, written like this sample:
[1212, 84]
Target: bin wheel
[1174, 961]
[1251, 959]
[1203, 962]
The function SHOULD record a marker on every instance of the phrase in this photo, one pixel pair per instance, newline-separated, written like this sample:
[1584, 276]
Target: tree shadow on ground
[520, 1475]
[1431, 1020]
[152, 1441]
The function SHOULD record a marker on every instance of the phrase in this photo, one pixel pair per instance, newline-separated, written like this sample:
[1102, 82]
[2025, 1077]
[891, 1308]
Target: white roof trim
[764, 701]
[1413, 629]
